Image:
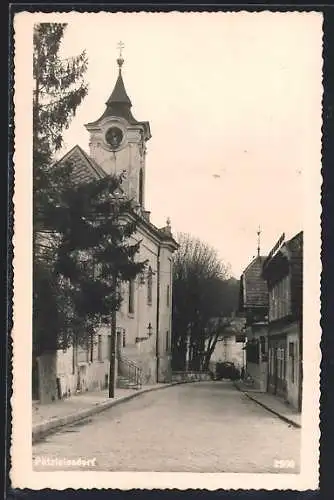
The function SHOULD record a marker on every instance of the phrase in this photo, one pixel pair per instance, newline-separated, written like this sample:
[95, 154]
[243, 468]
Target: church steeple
[118, 141]
[119, 103]
[119, 95]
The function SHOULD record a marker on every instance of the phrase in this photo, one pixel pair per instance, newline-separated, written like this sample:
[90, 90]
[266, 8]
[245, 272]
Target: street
[197, 427]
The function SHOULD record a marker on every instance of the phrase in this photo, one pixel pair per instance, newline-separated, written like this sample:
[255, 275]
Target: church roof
[119, 103]
[84, 167]
[119, 94]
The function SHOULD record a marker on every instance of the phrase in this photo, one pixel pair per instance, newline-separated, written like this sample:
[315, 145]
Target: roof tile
[255, 289]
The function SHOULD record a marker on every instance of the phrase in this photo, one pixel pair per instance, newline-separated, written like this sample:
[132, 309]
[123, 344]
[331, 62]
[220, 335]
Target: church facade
[118, 145]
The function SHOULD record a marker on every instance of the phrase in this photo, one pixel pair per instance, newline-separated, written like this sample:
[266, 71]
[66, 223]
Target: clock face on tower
[113, 137]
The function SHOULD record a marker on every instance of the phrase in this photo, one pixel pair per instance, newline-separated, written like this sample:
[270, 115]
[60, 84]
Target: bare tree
[200, 293]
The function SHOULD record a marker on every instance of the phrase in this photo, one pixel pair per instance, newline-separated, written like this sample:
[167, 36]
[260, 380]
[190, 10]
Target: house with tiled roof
[283, 272]
[253, 303]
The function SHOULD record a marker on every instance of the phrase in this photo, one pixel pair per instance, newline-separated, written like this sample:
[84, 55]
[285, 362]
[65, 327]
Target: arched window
[149, 286]
[131, 306]
[168, 296]
[141, 187]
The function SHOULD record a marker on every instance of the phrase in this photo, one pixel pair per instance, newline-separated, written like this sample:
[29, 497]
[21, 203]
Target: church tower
[118, 141]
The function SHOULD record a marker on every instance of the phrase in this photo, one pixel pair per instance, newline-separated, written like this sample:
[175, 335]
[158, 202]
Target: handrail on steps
[133, 372]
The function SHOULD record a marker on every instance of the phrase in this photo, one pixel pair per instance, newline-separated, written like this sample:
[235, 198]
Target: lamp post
[115, 199]
[187, 349]
[112, 354]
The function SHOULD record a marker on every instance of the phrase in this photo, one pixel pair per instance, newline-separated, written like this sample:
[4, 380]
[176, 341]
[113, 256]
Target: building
[230, 345]
[118, 145]
[253, 303]
[283, 272]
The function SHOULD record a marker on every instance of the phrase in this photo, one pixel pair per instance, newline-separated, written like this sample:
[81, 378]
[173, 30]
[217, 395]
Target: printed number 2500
[284, 464]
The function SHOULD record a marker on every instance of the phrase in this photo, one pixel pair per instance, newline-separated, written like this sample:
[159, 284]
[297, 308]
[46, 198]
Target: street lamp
[112, 353]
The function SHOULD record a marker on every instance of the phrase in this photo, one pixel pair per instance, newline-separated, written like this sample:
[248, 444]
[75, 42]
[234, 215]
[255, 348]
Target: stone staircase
[129, 374]
[126, 383]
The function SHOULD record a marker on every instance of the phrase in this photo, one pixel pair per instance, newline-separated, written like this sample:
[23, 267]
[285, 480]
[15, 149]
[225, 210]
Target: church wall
[67, 376]
[129, 158]
[135, 324]
[110, 162]
[80, 370]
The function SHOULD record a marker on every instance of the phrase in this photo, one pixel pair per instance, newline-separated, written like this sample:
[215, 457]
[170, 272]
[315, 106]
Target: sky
[234, 103]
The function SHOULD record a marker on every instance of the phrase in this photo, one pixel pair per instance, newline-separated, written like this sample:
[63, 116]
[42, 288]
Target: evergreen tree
[59, 88]
[96, 253]
[82, 248]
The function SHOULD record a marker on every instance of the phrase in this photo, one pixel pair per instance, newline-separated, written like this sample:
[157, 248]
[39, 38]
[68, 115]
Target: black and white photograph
[167, 250]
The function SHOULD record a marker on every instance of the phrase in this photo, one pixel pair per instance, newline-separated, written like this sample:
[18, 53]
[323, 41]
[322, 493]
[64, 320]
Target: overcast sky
[233, 102]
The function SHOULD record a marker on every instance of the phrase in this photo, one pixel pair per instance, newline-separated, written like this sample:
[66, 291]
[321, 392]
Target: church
[118, 145]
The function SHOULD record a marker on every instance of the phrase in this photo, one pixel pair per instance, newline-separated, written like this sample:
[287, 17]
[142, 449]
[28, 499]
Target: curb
[279, 415]
[43, 429]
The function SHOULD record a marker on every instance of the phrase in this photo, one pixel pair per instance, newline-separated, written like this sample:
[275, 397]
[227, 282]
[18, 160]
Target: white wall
[229, 350]
[77, 372]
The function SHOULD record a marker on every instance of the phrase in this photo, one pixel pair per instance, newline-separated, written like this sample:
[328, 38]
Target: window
[292, 361]
[263, 345]
[149, 286]
[167, 341]
[279, 299]
[286, 292]
[281, 363]
[168, 295]
[99, 347]
[109, 347]
[141, 187]
[131, 297]
[271, 361]
[87, 350]
[124, 338]
[91, 348]
[273, 303]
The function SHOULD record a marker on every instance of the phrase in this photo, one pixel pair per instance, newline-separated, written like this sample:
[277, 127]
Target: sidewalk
[49, 417]
[271, 403]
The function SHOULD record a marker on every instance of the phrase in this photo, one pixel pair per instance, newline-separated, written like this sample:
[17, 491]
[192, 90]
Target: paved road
[198, 427]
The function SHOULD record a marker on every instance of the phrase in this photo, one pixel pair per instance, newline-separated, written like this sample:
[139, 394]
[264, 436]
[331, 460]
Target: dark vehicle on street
[227, 370]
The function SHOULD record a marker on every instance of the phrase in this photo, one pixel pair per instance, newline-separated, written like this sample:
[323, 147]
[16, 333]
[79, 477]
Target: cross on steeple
[120, 59]
[120, 47]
